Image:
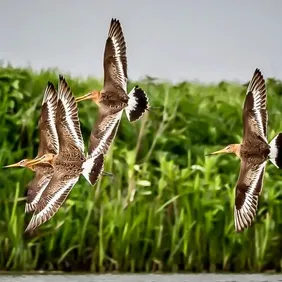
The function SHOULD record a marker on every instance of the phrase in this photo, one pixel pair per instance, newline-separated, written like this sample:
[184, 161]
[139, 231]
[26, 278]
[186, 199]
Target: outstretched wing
[103, 133]
[115, 61]
[255, 113]
[51, 199]
[248, 189]
[67, 121]
[48, 139]
[37, 185]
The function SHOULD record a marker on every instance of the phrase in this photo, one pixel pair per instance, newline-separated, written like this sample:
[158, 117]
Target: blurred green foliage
[169, 208]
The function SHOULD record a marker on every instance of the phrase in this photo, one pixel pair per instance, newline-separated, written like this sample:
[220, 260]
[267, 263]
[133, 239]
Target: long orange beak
[217, 152]
[13, 165]
[35, 161]
[84, 97]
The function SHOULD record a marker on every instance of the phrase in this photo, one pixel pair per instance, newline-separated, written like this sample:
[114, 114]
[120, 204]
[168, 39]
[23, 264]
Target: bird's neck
[237, 150]
[52, 162]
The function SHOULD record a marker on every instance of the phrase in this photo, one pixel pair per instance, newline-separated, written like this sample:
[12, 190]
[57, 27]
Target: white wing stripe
[56, 197]
[35, 201]
[121, 76]
[70, 124]
[98, 150]
[246, 214]
[52, 124]
[256, 108]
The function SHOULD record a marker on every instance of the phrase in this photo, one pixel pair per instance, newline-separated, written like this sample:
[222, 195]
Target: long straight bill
[84, 97]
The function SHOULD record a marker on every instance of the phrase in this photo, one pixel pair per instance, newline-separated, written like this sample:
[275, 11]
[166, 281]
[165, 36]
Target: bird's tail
[275, 155]
[137, 104]
[93, 167]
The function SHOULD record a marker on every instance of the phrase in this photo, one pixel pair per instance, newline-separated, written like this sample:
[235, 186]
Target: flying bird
[48, 144]
[113, 99]
[70, 161]
[254, 151]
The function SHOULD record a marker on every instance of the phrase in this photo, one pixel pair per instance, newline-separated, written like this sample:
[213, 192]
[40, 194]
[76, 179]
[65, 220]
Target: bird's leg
[149, 109]
[104, 173]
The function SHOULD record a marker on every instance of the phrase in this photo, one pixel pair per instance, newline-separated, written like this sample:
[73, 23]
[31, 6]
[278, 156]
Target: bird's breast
[255, 150]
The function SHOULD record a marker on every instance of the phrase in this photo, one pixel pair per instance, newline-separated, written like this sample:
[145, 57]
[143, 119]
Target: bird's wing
[255, 113]
[37, 185]
[67, 121]
[103, 133]
[115, 61]
[48, 138]
[248, 189]
[52, 198]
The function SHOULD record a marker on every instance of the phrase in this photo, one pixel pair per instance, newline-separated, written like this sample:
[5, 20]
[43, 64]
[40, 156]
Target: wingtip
[115, 29]
[115, 21]
[35, 222]
[64, 88]
[50, 84]
[62, 80]
[30, 227]
[49, 91]
[258, 73]
[257, 70]
[257, 82]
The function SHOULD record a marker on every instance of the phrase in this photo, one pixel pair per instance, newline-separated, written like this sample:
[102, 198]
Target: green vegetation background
[169, 208]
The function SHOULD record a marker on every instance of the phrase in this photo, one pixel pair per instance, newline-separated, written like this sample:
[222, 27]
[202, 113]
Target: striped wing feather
[48, 139]
[248, 189]
[68, 124]
[115, 61]
[255, 112]
[52, 198]
[103, 133]
[37, 185]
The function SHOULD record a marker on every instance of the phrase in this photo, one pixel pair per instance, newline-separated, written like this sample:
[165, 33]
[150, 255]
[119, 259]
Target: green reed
[169, 208]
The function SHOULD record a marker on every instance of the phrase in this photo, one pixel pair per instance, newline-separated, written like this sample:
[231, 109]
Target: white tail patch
[93, 167]
[137, 104]
[275, 155]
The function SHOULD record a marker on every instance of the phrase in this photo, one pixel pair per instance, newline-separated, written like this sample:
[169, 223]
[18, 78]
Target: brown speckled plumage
[254, 151]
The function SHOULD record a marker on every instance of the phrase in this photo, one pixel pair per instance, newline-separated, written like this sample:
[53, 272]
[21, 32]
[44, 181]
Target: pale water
[144, 278]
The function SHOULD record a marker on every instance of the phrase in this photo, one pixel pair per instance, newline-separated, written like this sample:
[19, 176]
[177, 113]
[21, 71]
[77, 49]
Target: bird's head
[45, 159]
[232, 148]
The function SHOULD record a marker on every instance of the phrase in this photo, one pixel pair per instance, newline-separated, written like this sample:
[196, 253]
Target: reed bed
[169, 208]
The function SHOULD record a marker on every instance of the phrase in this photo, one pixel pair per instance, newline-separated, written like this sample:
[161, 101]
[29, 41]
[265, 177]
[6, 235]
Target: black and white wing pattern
[43, 175]
[48, 140]
[103, 133]
[68, 125]
[248, 189]
[115, 60]
[52, 198]
[255, 112]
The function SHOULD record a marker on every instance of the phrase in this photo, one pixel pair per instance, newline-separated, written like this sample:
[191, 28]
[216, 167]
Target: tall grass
[169, 208]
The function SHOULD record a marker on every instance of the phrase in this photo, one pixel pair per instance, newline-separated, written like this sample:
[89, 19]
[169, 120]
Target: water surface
[144, 278]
